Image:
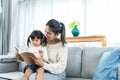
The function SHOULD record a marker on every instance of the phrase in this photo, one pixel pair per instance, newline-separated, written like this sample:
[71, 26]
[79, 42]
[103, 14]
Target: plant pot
[75, 31]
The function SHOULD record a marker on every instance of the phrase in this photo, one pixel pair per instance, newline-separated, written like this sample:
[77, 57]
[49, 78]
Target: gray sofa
[81, 65]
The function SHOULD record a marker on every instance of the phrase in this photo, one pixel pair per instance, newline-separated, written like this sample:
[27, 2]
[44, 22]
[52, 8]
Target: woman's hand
[19, 57]
[38, 61]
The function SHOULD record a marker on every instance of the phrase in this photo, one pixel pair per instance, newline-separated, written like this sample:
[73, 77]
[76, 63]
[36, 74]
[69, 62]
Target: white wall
[102, 18]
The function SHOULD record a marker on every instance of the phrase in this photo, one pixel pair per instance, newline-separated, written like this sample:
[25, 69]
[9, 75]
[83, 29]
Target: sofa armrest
[8, 67]
[8, 64]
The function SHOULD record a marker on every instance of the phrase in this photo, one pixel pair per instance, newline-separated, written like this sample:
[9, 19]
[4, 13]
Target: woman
[57, 52]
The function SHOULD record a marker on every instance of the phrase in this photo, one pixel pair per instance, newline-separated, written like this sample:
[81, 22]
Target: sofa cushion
[78, 79]
[90, 60]
[11, 76]
[74, 62]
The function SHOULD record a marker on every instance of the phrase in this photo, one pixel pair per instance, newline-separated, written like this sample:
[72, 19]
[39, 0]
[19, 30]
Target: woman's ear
[57, 34]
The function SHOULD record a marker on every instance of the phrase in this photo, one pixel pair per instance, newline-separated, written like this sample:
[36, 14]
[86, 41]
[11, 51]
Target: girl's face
[35, 42]
[49, 34]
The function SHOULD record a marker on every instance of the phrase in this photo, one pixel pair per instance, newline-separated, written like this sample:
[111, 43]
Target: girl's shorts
[33, 67]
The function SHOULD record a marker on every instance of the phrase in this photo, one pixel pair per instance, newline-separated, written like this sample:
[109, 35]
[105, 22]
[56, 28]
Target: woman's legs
[40, 74]
[50, 76]
[27, 73]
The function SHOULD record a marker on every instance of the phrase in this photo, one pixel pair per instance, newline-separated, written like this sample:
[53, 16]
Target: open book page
[26, 56]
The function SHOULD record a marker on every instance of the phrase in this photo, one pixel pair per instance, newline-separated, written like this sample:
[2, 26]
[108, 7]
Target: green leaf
[74, 23]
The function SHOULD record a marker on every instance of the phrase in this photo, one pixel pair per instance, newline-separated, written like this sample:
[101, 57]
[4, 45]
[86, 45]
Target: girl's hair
[39, 35]
[57, 28]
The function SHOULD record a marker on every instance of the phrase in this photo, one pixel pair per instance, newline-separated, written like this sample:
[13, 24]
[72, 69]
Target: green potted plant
[74, 26]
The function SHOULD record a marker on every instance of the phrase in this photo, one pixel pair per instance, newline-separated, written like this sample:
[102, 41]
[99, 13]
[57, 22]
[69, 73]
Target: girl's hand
[41, 52]
[19, 57]
[38, 61]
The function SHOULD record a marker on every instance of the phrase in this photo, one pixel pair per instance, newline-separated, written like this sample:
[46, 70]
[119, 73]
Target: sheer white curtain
[5, 27]
[0, 7]
[27, 15]
[102, 18]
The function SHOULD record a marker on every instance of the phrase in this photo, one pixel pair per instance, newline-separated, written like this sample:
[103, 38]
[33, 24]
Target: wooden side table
[97, 38]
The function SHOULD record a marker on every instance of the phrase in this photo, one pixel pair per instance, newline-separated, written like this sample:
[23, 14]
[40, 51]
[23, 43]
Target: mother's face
[49, 34]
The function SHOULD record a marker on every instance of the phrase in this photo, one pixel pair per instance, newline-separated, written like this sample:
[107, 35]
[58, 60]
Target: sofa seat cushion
[74, 62]
[78, 79]
[11, 75]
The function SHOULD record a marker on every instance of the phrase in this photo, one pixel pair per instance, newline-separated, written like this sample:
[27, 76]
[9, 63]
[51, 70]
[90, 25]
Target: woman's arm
[56, 67]
[61, 63]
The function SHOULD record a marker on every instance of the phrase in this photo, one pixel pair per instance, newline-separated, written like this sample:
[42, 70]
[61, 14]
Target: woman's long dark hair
[57, 28]
[39, 35]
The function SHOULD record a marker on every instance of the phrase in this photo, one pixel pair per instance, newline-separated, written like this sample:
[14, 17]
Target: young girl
[36, 42]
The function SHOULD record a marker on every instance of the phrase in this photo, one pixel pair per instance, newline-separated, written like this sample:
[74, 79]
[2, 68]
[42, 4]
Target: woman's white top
[57, 57]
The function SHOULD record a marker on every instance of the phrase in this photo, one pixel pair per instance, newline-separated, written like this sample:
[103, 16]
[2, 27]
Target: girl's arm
[45, 54]
[19, 57]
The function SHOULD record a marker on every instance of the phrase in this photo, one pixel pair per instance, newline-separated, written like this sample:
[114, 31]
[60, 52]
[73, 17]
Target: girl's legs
[27, 73]
[40, 74]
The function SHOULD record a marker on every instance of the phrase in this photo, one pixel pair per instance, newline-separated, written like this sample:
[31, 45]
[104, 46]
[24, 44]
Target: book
[26, 56]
